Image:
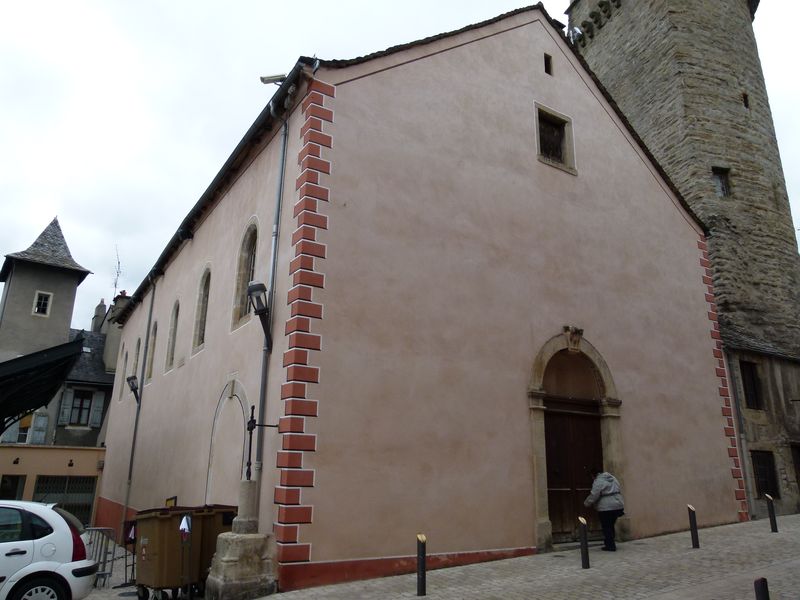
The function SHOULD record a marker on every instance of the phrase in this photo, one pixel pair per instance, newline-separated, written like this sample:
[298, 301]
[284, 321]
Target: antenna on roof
[117, 271]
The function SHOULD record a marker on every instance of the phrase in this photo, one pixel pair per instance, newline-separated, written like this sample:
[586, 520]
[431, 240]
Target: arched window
[199, 337]
[123, 385]
[173, 332]
[244, 274]
[136, 358]
[151, 352]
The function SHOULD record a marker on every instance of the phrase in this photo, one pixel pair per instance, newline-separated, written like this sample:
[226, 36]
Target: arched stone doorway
[226, 447]
[575, 425]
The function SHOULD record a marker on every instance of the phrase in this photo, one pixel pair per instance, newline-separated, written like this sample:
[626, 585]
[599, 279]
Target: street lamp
[133, 383]
[257, 293]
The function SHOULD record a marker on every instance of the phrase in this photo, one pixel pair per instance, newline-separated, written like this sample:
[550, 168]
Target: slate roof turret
[50, 248]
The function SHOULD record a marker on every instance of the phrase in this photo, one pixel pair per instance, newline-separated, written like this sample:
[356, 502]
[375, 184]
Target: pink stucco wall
[452, 255]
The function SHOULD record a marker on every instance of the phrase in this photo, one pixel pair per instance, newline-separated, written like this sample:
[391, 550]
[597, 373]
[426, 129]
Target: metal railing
[101, 550]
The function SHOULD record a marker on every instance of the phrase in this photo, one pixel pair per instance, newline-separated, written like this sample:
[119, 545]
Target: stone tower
[688, 77]
[38, 295]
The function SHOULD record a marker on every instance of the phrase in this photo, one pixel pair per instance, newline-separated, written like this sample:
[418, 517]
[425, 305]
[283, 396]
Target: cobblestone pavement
[730, 558]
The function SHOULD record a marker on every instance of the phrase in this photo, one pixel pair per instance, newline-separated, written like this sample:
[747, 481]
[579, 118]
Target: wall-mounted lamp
[257, 293]
[70, 463]
[15, 461]
[133, 383]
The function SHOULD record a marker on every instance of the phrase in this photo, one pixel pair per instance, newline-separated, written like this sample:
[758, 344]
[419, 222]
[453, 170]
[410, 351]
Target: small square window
[554, 138]
[722, 182]
[548, 64]
[42, 303]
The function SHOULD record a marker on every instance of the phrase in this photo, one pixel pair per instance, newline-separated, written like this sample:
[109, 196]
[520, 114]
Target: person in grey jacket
[608, 501]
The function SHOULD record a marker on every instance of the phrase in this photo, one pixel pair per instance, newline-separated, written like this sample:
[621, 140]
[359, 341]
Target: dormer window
[41, 303]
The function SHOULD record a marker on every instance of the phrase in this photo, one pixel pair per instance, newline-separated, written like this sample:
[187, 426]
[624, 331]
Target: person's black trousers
[607, 520]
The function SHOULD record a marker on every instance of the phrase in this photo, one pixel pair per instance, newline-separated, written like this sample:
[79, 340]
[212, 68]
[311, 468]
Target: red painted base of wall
[109, 514]
[302, 575]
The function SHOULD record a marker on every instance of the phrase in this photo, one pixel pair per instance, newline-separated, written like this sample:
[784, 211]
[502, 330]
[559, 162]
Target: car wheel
[40, 588]
[142, 592]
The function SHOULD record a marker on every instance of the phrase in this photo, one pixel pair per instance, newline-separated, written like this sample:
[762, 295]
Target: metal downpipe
[138, 406]
[262, 400]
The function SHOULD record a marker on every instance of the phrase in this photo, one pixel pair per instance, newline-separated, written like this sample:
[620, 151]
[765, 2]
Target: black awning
[30, 382]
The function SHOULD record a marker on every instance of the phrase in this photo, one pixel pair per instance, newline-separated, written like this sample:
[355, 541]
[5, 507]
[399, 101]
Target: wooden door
[573, 445]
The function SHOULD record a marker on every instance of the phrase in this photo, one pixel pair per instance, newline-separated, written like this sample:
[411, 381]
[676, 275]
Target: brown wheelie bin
[167, 558]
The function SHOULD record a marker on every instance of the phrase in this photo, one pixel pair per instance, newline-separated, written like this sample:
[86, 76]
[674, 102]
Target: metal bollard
[693, 526]
[762, 589]
[773, 522]
[584, 543]
[421, 566]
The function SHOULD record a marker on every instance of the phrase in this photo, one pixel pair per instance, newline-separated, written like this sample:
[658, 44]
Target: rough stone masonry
[688, 77]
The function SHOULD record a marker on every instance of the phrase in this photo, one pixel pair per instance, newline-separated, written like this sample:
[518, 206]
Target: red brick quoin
[729, 429]
[303, 342]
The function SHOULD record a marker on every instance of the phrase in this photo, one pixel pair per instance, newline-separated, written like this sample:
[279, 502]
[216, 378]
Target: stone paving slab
[730, 558]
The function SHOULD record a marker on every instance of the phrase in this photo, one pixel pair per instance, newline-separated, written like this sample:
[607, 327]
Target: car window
[70, 518]
[39, 527]
[10, 525]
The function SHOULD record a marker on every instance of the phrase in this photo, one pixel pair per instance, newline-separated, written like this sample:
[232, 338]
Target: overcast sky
[115, 116]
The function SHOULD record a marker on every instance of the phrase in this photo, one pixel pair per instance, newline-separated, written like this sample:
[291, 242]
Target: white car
[42, 553]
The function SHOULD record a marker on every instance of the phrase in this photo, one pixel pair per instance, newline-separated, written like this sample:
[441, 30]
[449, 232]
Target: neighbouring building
[483, 285]
[688, 77]
[55, 381]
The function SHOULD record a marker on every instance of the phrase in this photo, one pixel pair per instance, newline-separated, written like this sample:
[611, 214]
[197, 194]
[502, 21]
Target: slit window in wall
[745, 100]
[548, 64]
[173, 334]
[722, 181]
[151, 351]
[202, 311]
[42, 302]
[124, 384]
[135, 370]
[764, 474]
[244, 274]
[554, 139]
[751, 385]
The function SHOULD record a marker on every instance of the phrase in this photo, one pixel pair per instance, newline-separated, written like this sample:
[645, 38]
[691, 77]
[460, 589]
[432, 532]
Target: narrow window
[722, 183]
[796, 460]
[764, 474]
[202, 310]
[123, 384]
[81, 404]
[136, 358]
[751, 385]
[151, 353]
[41, 303]
[745, 100]
[548, 64]
[173, 333]
[245, 273]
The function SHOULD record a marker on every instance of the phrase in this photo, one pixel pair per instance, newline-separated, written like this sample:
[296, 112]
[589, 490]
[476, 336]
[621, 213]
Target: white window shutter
[66, 406]
[39, 429]
[98, 404]
[11, 434]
